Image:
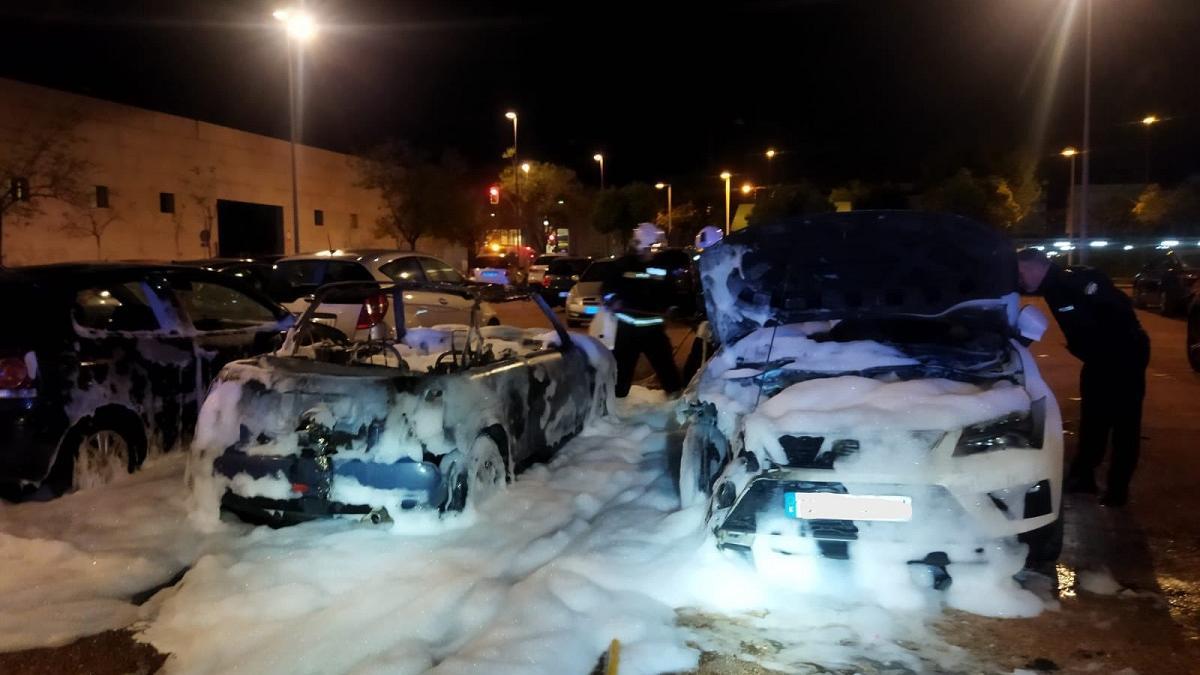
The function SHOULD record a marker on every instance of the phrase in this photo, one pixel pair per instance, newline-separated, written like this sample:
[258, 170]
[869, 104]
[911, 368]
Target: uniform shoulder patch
[1091, 288]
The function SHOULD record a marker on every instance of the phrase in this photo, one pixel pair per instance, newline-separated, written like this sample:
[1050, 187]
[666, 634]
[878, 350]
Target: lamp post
[1070, 153]
[770, 153]
[600, 158]
[512, 115]
[1087, 127]
[668, 187]
[299, 27]
[1148, 123]
[725, 176]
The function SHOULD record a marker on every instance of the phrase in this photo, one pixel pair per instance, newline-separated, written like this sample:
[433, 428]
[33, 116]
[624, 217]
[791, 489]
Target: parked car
[503, 269]
[431, 419]
[538, 269]
[871, 396]
[256, 272]
[1166, 283]
[108, 364]
[295, 278]
[561, 274]
[584, 299]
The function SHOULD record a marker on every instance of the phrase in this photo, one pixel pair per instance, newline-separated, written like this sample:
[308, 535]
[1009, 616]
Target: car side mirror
[1032, 323]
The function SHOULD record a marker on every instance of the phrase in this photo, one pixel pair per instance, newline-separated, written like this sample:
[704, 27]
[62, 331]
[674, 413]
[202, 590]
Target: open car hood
[855, 264]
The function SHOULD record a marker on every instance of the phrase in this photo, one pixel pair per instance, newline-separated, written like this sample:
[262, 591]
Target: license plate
[833, 506]
[563, 294]
[591, 310]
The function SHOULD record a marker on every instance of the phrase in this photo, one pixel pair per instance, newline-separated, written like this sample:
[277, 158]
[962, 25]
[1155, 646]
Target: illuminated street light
[770, 153]
[1150, 119]
[300, 27]
[659, 186]
[512, 115]
[1070, 152]
[747, 188]
[600, 158]
[725, 176]
[525, 167]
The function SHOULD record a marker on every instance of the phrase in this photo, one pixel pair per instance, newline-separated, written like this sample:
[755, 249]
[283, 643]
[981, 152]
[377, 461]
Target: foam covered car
[429, 419]
[873, 396]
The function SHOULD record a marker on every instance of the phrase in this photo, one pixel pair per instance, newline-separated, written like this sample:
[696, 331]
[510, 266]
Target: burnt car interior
[440, 349]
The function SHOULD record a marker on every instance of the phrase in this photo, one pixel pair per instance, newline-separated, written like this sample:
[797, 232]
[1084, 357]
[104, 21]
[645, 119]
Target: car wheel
[455, 475]
[1193, 340]
[487, 472]
[97, 451]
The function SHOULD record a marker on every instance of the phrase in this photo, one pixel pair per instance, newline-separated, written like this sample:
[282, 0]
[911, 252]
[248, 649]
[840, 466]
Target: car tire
[486, 471]
[453, 472]
[97, 450]
[699, 465]
[1193, 339]
[1045, 545]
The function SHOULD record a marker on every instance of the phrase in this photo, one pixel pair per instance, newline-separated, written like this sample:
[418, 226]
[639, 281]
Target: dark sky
[874, 89]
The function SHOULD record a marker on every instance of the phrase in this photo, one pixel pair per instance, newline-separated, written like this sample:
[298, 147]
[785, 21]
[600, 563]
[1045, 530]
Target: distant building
[162, 180]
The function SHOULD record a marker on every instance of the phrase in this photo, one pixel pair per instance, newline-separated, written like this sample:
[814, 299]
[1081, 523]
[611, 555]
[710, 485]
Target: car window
[340, 270]
[597, 271]
[118, 307]
[293, 278]
[214, 306]
[439, 271]
[403, 269]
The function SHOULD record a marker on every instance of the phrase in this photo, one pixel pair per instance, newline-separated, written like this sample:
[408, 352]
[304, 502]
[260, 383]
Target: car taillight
[546, 281]
[373, 310]
[14, 373]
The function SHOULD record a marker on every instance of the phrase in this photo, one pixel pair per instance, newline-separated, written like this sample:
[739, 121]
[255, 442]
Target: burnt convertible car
[873, 396]
[411, 419]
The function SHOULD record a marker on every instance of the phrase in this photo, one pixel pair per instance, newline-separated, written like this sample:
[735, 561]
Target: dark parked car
[561, 274]
[254, 271]
[104, 364]
[422, 419]
[1166, 282]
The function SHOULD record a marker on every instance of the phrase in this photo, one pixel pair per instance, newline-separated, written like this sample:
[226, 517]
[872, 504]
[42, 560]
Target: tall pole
[770, 165]
[291, 66]
[670, 227]
[726, 176]
[600, 159]
[516, 176]
[1087, 145]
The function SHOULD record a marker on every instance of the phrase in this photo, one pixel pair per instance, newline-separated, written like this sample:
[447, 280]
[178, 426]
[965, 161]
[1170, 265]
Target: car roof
[357, 255]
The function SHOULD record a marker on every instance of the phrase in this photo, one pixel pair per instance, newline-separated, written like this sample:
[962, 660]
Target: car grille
[804, 452]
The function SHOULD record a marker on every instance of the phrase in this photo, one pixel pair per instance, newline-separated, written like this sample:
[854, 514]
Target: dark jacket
[1096, 317]
[650, 287]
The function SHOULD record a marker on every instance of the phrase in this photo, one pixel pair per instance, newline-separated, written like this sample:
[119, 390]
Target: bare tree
[41, 163]
[92, 221]
[202, 191]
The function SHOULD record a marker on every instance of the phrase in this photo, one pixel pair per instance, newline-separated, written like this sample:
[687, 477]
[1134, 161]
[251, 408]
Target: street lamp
[300, 27]
[660, 186]
[1069, 153]
[525, 167]
[600, 158]
[512, 115]
[1148, 123]
[747, 188]
[1087, 127]
[770, 156]
[725, 176]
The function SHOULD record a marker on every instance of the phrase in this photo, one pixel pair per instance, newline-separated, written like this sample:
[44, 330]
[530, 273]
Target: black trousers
[1111, 408]
[633, 341]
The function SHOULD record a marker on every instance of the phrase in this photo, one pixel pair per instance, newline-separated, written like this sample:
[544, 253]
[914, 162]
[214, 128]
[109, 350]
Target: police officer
[640, 302]
[1102, 330]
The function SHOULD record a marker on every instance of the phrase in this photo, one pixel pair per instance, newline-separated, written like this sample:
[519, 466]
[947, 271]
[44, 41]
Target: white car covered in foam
[873, 396]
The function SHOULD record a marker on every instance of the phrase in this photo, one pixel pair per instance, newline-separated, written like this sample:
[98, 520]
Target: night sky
[897, 90]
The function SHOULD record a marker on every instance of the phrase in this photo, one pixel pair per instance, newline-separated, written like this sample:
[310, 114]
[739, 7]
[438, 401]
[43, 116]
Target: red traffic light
[494, 195]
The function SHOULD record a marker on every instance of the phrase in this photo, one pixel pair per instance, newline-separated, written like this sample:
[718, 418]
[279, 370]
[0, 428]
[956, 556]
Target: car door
[229, 323]
[134, 356]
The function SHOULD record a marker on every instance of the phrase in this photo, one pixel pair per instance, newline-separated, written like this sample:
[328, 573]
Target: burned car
[408, 419]
[108, 363]
[873, 396]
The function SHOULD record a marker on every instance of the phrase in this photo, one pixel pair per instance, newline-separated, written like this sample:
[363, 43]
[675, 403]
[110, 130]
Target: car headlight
[1020, 431]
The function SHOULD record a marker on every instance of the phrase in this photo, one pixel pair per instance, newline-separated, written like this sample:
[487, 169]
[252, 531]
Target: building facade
[163, 187]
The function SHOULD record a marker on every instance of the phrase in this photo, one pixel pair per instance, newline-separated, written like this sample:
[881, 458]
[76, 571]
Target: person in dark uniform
[641, 300]
[1103, 332]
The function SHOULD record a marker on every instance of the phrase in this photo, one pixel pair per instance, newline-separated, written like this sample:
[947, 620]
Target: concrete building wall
[138, 154]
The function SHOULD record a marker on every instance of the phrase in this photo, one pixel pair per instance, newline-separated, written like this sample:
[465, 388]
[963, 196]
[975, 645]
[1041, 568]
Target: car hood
[852, 265]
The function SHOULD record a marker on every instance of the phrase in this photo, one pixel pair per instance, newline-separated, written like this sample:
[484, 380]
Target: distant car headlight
[1019, 431]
